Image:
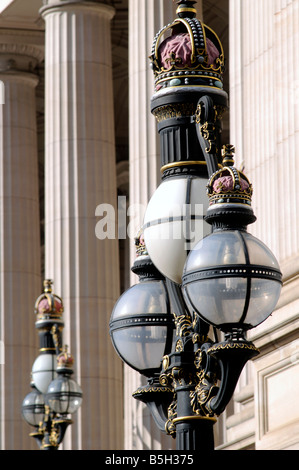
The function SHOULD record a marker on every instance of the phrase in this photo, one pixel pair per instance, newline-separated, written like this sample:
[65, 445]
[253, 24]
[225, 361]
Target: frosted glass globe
[44, 371]
[33, 407]
[232, 280]
[64, 395]
[173, 223]
[142, 327]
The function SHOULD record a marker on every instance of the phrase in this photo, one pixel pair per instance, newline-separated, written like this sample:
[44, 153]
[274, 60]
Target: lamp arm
[159, 413]
[56, 335]
[38, 435]
[231, 357]
[60, 426]
[206, 123]
[157, 398]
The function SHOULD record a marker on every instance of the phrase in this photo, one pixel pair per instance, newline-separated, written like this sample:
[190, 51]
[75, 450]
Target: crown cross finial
[228, 155]
[186, 9]
[48, 285]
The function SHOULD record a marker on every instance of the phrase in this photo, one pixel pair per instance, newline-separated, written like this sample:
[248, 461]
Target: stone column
[146, 18]
[264, 113]
[20, 263]
[80, 175]
[264, 116]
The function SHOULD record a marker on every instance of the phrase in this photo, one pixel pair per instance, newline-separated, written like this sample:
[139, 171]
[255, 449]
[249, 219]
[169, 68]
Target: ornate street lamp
[220, 278]
[54, 394]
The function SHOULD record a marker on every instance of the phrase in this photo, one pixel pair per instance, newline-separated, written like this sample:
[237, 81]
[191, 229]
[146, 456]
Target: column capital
[20, 50]
[98, 5]
[63, 2]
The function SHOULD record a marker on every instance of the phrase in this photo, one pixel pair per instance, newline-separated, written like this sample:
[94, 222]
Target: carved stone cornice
[99, 5]
[20, 50]
[48, 3]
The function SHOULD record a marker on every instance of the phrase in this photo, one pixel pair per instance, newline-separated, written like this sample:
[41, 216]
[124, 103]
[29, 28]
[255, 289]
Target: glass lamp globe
[174, 223]
[44, 371]
[64, 395]
[33, 407]
[141, 325]
[232, 279]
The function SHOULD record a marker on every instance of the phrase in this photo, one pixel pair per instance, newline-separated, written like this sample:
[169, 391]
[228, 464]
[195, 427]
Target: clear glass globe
[141, 326]
[64, 395]
[232, 279]
[33, 407]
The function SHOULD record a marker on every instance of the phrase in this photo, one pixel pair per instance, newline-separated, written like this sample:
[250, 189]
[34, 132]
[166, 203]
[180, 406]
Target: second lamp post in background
[55, 395]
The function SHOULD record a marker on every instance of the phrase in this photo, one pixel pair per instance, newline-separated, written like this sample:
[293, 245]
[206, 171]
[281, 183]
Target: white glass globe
[173, 223]
[44, 371]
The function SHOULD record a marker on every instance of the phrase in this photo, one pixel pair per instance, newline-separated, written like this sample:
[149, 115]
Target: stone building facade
[76, 132]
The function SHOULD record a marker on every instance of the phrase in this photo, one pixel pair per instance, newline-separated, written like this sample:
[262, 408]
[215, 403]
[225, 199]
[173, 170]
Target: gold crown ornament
[229, 185]
[65, 360]
[186, 52]
[229, 191]
[140, 244]
[48, 305]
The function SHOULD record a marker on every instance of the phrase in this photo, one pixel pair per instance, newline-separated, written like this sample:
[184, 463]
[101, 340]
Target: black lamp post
[217, 275]
[54, 394]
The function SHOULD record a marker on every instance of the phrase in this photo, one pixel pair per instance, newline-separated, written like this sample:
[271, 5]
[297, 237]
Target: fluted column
[80, 175]
[146, 18]
[20, 264]
[264, 113]
[264, 116]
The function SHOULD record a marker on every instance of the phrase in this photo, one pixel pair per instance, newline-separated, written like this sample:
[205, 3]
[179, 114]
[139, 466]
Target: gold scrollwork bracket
[170, 427]
[207, 120]
[201, 397]
[183, 324]
[208, 133]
